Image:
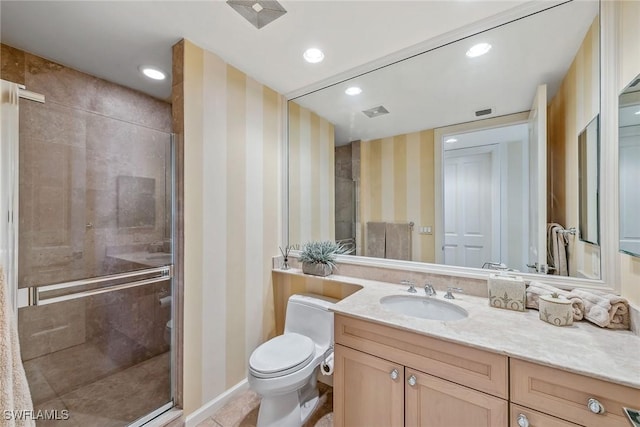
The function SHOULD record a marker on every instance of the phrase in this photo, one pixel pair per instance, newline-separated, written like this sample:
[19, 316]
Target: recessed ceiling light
[451, 140]
[637, 113]
[353, 90]
[478, 50]
[313, 55]
[153, 72]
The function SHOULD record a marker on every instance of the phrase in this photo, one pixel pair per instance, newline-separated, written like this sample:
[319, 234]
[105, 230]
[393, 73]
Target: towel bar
[87, 287]
[573, 231]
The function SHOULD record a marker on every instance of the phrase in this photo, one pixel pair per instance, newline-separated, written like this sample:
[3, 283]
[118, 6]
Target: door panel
[433, 402]
[470, 209]
[365, 394]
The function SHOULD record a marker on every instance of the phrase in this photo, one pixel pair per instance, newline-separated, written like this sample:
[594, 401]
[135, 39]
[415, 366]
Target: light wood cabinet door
[434, 402]
[368, 391]
[535, 418]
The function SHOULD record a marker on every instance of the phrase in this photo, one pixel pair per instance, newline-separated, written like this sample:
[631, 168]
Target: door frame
[440, 134]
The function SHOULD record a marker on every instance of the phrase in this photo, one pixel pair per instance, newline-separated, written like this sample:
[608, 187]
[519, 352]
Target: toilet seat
[281, 355]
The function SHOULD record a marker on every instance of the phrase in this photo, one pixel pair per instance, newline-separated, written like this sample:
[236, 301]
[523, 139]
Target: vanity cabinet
[567, 395]
[386, 377]
[391, 377]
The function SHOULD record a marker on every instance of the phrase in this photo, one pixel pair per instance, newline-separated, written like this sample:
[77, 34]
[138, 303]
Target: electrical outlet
[425, 230]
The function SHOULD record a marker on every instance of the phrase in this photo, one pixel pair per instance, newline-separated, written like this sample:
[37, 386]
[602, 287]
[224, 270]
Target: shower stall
[86, 241]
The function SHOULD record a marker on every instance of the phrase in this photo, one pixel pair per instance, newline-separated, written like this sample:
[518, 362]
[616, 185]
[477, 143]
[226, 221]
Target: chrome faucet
[429, 290]
[412, 286]
[449, 295]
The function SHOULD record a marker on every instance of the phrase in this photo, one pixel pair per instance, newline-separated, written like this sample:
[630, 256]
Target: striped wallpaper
[575, 104]
[232, 199]
[397, 185]
[311, 166]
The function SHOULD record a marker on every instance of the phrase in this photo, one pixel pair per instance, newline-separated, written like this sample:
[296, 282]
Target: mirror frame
[585, 146]
[608, 183]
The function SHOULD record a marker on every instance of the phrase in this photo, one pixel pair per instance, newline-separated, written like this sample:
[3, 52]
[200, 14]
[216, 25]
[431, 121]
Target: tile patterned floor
[243, 411]
[113, 400]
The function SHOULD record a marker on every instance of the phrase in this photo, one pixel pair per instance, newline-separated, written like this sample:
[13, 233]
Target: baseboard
[211, 407]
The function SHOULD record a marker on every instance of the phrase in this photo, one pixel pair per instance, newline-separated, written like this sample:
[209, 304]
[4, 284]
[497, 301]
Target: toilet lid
[282, 355]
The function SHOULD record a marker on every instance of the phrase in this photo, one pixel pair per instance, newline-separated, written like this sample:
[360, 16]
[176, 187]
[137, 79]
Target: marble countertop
[583, 348]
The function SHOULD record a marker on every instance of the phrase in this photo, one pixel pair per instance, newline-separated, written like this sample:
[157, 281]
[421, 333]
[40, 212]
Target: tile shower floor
[115, 398]
[243, 411]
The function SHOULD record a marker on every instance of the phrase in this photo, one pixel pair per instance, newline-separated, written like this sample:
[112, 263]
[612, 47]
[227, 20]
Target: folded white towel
[14, 389]
[536, 289]
[604, 309]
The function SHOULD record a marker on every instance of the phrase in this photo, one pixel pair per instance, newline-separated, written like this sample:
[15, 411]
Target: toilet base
[291, 409]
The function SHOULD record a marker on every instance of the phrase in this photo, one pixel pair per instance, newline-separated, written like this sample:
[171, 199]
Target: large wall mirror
[465, 155]
[629, 149]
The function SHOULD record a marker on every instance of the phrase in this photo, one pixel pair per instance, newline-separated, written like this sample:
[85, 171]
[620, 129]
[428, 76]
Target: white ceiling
[110, 39]
[444, 87]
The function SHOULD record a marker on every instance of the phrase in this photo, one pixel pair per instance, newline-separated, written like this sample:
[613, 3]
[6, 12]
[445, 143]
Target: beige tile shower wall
[397, 185]
[233, 144]
[72, 148]
[311, 176]
[575, 104]
[629, 34]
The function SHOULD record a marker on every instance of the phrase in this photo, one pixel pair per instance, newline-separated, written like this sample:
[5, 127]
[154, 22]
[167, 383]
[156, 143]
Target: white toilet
[284, 369]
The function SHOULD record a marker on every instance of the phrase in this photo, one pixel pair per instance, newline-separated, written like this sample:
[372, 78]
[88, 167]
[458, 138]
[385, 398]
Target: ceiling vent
[484, 112]
[376, 112]
[258, 13]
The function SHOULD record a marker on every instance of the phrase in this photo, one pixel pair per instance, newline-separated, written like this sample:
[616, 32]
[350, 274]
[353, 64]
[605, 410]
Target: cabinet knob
[595, 406]
[522, 420]
[394, 374]
[412, 380]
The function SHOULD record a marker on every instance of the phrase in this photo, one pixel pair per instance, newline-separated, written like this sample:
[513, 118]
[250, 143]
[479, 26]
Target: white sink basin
[423, 307]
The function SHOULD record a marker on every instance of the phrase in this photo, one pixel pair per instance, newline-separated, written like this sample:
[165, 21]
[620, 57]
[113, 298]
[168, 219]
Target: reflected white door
[538, 181]
[471, 206]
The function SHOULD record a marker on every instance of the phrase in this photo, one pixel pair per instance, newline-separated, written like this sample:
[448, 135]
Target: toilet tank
[309, 315]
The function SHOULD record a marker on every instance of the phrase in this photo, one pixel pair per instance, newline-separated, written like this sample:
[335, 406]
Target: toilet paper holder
[326, 367]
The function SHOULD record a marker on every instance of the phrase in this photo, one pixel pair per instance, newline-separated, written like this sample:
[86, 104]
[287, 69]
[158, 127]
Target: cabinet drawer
[565, 395]
[470, 367]
[536, 419]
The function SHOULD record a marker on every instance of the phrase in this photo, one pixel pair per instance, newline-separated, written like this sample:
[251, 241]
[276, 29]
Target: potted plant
[318, 258]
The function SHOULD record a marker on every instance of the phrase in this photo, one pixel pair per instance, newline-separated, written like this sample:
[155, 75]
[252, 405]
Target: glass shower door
[94, 265]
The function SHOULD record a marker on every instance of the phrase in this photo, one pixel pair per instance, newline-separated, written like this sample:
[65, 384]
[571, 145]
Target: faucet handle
[412, 286]
[449, 295]
[429, 290]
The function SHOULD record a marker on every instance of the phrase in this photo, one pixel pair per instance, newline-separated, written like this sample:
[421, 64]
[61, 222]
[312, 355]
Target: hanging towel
[398, 241]
[376, 239]
[605, 310]
[536, 289]
[14, 392]
[557, 249]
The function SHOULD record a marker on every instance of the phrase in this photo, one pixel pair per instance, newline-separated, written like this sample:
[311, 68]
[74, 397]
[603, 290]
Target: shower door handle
[40, 295]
